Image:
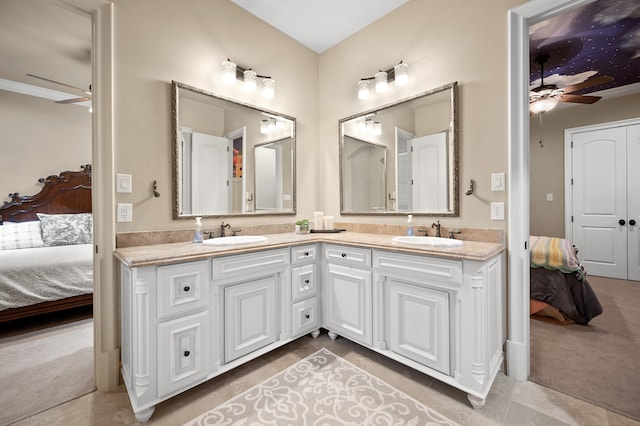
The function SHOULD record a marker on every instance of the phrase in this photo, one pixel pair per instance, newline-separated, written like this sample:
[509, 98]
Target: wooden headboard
[68, 192]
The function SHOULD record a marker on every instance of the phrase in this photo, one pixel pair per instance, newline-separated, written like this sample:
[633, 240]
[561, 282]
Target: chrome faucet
[453, 232]
[421, 229]
[437, 227]
[223, 229]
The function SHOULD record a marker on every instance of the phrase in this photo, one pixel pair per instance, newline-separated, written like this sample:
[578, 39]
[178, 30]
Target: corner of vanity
[190, 313]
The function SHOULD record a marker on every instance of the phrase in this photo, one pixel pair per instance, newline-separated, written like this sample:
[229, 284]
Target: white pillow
[66, 229]
[20, 235]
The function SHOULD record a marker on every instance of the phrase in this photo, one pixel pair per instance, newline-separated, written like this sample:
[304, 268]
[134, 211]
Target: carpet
[599, 362]
[322, 389]
[44, 368]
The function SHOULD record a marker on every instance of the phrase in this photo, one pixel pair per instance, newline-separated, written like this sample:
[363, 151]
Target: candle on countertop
[328, 222]
[318, 221]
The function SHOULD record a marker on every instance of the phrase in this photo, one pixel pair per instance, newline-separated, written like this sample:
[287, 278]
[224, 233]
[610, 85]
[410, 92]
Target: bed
[46, 249]
[559, 285]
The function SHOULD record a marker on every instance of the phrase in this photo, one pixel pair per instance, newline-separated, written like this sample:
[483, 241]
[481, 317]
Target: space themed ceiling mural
[596, 40]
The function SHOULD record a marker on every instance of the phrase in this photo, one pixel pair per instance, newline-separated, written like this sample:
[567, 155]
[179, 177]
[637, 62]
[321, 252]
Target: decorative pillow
[66, 229]
[20, 235]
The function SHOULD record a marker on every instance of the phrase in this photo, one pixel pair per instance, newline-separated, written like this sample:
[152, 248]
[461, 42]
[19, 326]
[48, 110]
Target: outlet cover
[125, 212]
[497, 211]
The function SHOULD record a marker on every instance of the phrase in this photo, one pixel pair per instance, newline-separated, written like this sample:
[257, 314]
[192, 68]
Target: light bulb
[363, 89]
[250, 81]
[228, 72]
[381, 81]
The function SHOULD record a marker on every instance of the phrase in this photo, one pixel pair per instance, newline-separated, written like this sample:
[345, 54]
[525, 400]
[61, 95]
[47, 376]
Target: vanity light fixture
[268, 125]
[232, 72]
[398, 74]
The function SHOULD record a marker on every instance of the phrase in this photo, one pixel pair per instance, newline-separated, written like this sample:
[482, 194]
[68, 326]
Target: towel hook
[470, 191]
[155, 189]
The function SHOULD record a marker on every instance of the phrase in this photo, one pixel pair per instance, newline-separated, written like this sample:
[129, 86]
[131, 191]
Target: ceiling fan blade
[73, 101]
[580, 99]
[595, 81]
[61, 84]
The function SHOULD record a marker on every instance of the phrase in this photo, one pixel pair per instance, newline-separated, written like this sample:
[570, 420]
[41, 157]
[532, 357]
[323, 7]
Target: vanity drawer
[345, 255]
[421, 268]
[303, 254]
[182, 288]
[303, 282]
[241, 264]
[305, 316]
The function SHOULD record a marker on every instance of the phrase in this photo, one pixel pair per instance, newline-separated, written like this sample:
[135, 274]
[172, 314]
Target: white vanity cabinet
[443, 317]
[347, 296]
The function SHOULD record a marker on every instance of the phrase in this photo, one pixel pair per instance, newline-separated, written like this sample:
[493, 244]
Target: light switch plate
[497, 182]
[123, 183]
[125, 212]
[497, 211]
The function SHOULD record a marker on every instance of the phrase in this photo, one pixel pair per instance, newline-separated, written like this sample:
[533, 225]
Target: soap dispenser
[197, 234]
[410, 226]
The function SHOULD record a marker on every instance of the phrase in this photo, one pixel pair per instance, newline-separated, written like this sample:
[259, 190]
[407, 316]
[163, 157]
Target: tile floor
[509, 402]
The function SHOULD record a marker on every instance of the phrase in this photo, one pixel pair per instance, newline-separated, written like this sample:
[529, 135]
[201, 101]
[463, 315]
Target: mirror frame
[176, 154]
[453, 87]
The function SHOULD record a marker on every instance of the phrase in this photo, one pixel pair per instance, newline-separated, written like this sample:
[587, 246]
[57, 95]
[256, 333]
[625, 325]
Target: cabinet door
[418, 324]
[348, 302]
[182, 352]
[250, 316]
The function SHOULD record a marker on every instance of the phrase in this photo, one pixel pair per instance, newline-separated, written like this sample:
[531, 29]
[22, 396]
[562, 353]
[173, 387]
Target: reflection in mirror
[230, 158]
[421, 177]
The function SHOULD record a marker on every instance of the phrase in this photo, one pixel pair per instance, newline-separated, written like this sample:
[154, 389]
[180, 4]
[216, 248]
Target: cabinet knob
[306, 253]
[187, 288]
[632, 222]
[307, 316]
[187, 353]
[621, 222]
[344, 254]
[306, 281]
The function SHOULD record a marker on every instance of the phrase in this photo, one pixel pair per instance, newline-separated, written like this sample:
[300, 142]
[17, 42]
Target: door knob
[621, 222]
[632, 222]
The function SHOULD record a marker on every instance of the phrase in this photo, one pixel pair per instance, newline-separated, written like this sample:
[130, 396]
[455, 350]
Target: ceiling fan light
[543, 105]
[228, 72]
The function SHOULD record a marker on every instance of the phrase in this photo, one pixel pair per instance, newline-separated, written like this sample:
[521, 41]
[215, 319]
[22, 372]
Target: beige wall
[442, 43]
[39, 138]
[547, 161]
[157, 41]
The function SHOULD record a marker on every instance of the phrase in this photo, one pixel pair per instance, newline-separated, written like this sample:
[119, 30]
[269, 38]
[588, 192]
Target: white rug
[322, 389]
[44, 368]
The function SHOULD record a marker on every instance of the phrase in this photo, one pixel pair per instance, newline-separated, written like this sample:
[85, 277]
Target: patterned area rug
[322, 389]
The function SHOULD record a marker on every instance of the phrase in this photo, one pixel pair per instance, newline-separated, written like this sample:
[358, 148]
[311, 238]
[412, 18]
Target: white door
[430, 173]
[633, 204]
[211, 161]
[604, 200]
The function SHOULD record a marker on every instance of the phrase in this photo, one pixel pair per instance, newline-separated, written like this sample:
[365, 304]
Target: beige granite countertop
[161, 254]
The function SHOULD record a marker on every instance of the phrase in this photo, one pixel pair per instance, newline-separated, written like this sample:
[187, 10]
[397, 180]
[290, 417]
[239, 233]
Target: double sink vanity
[190, 312]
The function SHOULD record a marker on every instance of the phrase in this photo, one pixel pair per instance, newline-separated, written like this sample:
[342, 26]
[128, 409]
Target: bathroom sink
[428, 241]
[235, 240]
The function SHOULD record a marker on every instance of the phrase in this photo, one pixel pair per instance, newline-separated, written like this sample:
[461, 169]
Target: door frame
[519, 20]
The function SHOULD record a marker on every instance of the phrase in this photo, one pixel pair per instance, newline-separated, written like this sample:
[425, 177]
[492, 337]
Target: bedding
[558, 279]
[33, 275]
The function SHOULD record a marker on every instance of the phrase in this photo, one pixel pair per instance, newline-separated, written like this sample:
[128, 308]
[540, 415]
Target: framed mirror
[230, 158]
[402, 158]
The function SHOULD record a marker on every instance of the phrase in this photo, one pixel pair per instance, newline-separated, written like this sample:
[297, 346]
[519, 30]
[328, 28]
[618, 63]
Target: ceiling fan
[546, 96]
[85, 98]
